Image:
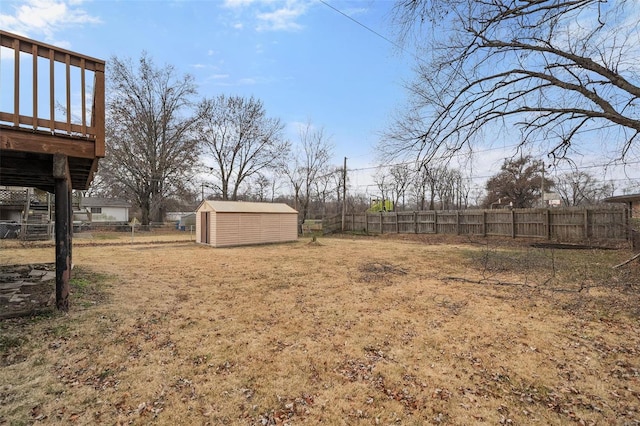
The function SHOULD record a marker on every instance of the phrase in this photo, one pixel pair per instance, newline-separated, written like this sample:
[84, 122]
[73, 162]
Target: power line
[371, 30]
[473, 177]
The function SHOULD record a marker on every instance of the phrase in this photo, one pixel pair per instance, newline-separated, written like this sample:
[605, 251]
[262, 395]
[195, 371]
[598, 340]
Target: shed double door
[205, 227]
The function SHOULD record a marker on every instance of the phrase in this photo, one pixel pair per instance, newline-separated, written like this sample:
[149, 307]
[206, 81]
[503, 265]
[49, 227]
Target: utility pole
[344, 192]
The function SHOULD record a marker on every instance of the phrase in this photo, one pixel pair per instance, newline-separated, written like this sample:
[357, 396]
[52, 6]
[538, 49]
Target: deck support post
[63, 230]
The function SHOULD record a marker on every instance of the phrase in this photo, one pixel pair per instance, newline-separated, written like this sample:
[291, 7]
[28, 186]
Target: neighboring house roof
[103, 202]
[628, 198]
[246, 207]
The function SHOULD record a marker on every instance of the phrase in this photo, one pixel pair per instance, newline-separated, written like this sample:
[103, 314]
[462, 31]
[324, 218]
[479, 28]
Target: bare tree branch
[552, 69]
[240, 140]
[150, 146]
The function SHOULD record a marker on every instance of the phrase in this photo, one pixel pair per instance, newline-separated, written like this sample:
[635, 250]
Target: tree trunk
[145, 211]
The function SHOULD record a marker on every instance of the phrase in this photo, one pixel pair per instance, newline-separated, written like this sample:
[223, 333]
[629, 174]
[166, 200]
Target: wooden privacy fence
[562, 224]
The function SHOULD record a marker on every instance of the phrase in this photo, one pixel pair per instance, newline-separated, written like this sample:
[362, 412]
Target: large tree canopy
[518, 184]
[556, 70]
[151, 150]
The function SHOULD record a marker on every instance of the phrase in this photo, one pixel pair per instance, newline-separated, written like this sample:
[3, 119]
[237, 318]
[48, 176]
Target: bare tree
[441, 183]
[310, 161]
[326, 185]
[400, 179]
[553, 69]
[260, 187]
[382, 180]
[431, 176]
[240, 140]
[451, 189]
[418, 189]
[579, 188]
[151, 149]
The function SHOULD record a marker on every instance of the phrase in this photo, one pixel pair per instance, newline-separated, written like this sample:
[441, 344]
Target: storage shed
[236, 223]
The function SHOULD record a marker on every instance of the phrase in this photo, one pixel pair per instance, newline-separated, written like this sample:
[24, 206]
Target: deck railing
[65, 72]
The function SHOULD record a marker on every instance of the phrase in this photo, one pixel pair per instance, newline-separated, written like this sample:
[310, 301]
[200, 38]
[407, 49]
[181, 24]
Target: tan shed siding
[270, 228]
[227, 229]
[198, 225]
[233, 229]
[251, 225]
[289, 227]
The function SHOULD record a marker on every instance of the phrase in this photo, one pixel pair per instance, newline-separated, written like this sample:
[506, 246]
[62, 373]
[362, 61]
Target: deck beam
[63, 230]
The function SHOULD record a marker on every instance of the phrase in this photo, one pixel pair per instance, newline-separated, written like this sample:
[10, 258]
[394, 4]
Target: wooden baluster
[34, 52]
[67, 62]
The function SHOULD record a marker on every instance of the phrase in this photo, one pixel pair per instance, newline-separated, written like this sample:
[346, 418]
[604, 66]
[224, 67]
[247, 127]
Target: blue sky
[303, 59]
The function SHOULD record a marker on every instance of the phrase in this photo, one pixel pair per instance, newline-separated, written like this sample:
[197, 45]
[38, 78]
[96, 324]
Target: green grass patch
[60, 330]
[106, 236]
[8, 343]
[80, 282]
[88, 287]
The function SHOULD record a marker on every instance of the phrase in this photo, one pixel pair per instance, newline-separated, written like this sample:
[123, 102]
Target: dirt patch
[26, 289]
[379, 271]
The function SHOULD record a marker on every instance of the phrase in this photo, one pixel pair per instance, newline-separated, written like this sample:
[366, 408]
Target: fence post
[381, 224]
[415, 222]
[586, 223]
[513, 223]
[366, 222]
[435, 221]
[397, 227]
[457, 222]
[628, 232]
[484, 223]
[547, 219]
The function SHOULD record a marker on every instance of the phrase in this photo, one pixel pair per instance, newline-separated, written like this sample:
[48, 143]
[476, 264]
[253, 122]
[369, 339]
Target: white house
[105, 209]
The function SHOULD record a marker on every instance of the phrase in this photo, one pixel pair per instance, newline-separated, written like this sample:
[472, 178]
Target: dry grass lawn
[348, 331]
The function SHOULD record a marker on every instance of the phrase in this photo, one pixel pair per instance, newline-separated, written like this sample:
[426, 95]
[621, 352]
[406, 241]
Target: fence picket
[563, 224]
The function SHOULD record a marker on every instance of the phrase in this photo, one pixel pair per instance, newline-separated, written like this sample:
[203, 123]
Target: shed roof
[247, 207]
[623, 198]
[103, 202]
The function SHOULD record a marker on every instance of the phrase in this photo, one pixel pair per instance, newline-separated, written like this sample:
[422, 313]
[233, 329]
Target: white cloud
[238, 3]
[44, 17]
[281, 19]
[271, 15]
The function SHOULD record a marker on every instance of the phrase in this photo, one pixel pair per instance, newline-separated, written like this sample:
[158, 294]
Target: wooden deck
[51, 130]
[57, 108]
